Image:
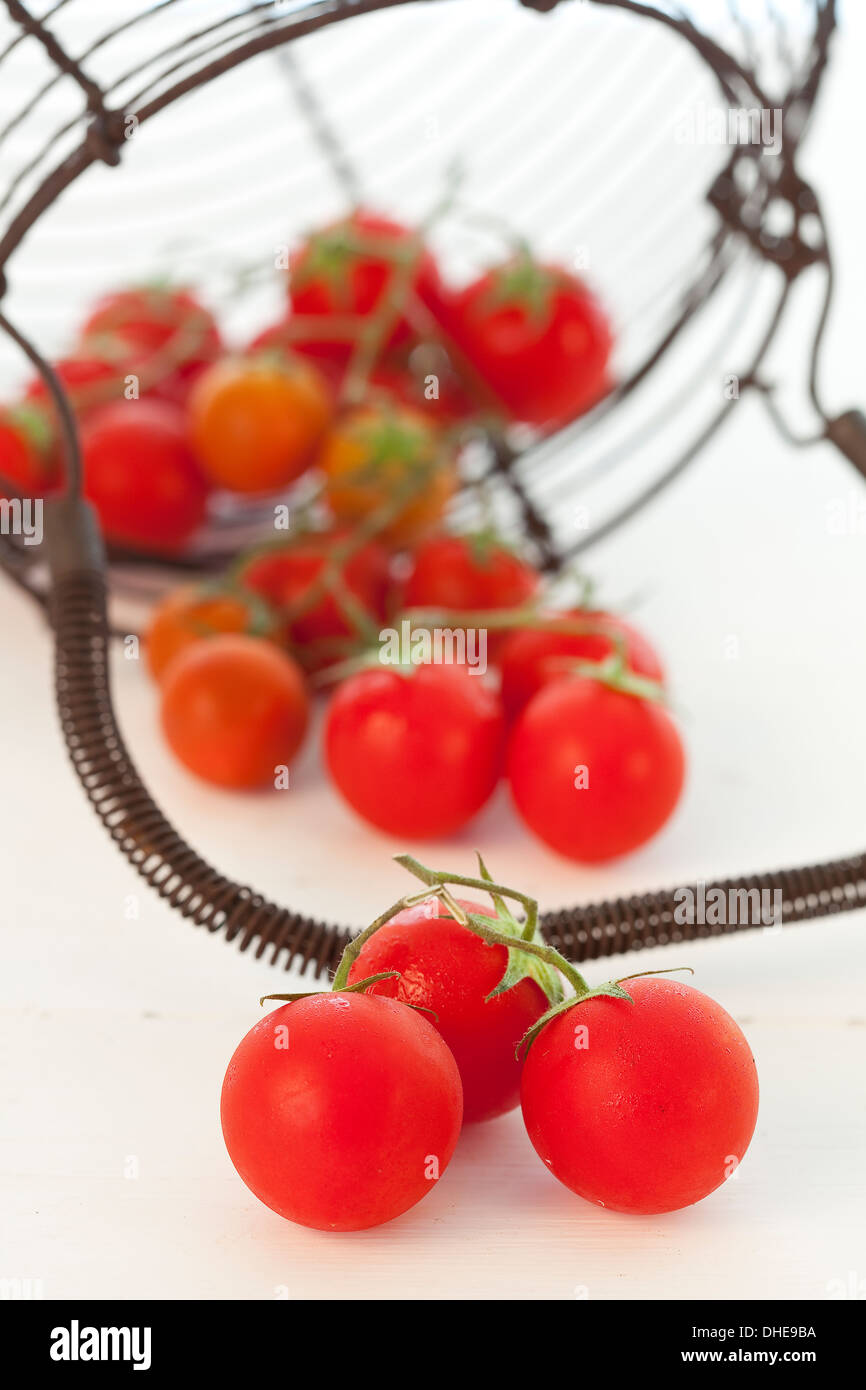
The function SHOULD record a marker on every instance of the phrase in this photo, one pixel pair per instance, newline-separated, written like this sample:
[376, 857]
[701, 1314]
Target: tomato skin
[328, 277]
[647, 1110]
[254, 425]
[151, 320]
[373, 454]
[465, 572]
[335, 1127]
[416, 754]
[447, 968]
[233, 710]
[140, 475]
[635, 764]
[283, 575]
[31, 470]
[193, 614]
[531, 658]
[547, 362]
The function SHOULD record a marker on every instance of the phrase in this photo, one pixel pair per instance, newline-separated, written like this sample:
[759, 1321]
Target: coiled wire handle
[209, 899]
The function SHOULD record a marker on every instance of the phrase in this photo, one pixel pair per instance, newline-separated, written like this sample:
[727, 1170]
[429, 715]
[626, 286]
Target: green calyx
[525, 284]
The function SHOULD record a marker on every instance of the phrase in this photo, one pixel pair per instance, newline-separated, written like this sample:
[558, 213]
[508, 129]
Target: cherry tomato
[341, 1111]
[468, 572]
[377, 461]
[170, 335]
[286, 575]
[199, 611]
[642, 1107]
[530, 658]
[594, 772]
[26, 461]
[445, 967]
[255, 424]
[90, 380]
[417, 753]
[538, 337]
[141, 476]
[347, 269]
[234, 710]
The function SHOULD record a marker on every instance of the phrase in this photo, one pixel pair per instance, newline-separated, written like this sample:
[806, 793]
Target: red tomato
[468, 572]
[286, 574]
[347, 268]
[90, 381]
[340, 1111]
[447, 968]
[627, 751]
[533, 657]
[172, 337]
[537, 336]
[25, 458]
[417, 753]
[652, 1107]
[141, 476]
[234, 710]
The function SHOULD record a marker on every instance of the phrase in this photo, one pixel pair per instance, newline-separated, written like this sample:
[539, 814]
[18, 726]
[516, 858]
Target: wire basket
[727, 231]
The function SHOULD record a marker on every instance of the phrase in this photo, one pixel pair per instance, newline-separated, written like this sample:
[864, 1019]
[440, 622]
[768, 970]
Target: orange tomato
[234, 710]
[255, 423]
[391, 463]
[195, 612]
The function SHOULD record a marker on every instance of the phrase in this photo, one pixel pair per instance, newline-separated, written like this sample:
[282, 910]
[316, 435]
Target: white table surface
[117, 1019]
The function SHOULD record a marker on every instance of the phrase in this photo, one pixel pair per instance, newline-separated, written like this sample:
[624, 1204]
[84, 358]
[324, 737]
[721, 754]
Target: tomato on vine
[349, 269]
[340, 1111]
[415, 751]
[596, 765]
[469, 572]
[533, 657]
[538, 336]
[196, 612]
[234, 710]
[642, 1103]
[483, 999]
[387, 466]
[169, 334]
[255, 424]
[331, 591]
[140, 475]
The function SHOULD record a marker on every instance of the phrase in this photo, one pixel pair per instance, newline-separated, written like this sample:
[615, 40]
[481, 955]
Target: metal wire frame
[78, 597]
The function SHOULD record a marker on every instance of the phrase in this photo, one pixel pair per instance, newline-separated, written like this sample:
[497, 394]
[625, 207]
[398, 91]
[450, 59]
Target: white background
[118, 1020]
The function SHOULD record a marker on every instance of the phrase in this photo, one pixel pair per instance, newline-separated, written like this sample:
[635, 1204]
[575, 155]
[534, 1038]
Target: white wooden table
[117, 1019]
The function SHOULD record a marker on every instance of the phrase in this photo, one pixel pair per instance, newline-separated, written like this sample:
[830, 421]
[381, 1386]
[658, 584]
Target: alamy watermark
[731, 125]
[719, 907]
[22, 516]
[438, 646]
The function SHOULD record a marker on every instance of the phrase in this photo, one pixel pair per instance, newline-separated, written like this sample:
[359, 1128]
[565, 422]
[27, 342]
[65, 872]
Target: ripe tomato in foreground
[255, 424]
[341, 1111]
[234, 709]
[445, 967]
[651, 1107]
[534, 657]
[416, 752]
[594, 772]
[141, 476]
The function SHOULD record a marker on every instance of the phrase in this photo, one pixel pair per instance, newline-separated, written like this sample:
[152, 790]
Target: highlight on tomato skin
[643, 1107]
[341, 1111]
[444, 967]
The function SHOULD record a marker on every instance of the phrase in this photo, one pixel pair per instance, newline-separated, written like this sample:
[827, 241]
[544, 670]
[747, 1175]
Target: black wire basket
[728, 231]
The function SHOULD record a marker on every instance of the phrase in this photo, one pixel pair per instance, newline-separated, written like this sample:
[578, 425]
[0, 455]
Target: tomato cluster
[341, 1110]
